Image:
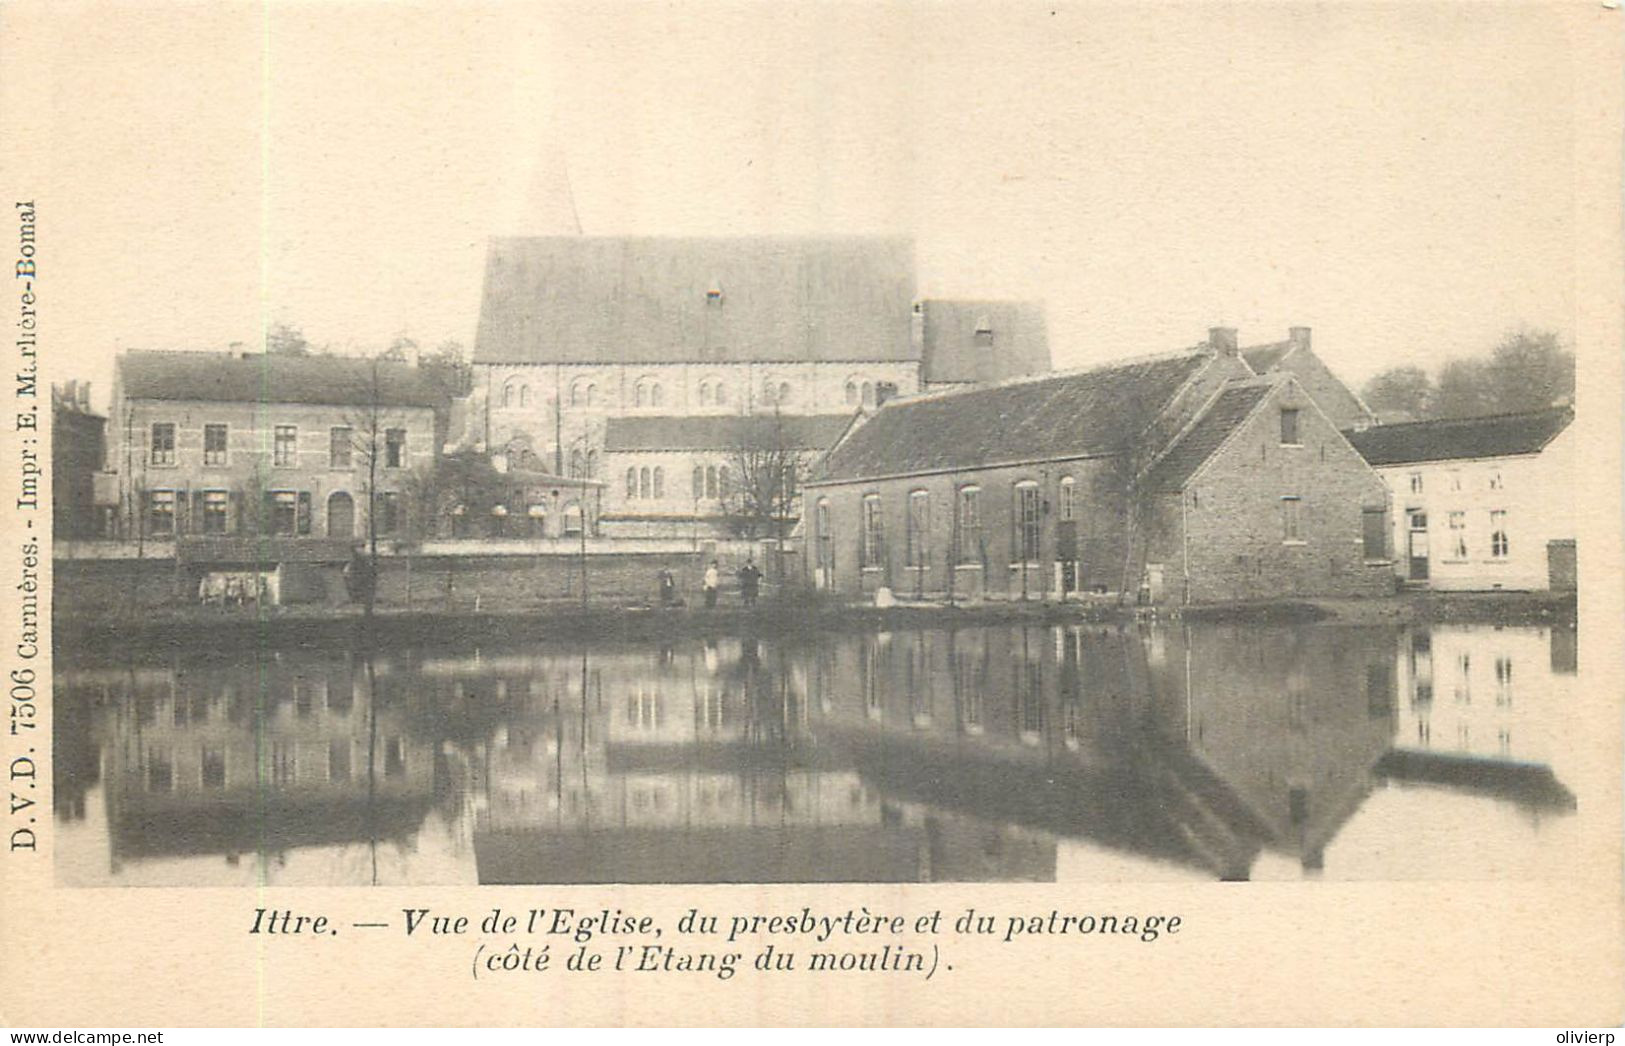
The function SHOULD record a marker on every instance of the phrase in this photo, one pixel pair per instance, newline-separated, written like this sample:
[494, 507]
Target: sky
[1398, 177]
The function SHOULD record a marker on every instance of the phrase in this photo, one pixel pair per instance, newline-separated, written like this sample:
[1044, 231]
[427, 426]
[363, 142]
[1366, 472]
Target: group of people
[750, 585]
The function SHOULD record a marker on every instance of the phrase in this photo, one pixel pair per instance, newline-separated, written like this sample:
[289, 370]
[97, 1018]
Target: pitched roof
[1223, 415]
[983, 341]
[630, 299]
[1263, 358]
[272, 378]
[1494, 436]
[1071, 414]
[720, 431]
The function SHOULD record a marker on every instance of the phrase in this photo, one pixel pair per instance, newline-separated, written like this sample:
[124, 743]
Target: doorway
[1418, 544]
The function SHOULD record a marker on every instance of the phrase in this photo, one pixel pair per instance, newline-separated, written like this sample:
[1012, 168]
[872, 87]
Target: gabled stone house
[1182, 478]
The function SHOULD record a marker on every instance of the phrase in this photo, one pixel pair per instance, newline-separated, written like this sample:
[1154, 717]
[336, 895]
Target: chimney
[1222, 340]
[1299, 337]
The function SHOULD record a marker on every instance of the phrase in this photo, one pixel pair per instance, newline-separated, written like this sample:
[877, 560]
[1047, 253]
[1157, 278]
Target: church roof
[983, 341]
[1069, 414]
[640, 299]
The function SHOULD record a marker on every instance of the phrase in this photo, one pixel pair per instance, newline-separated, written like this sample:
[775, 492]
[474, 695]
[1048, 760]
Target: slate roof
[1223, 416]
[630, 299]
[1455, 439]
[1263, 358]
[1072, 414]
[720, 431]
[983, 341]
[220, 377]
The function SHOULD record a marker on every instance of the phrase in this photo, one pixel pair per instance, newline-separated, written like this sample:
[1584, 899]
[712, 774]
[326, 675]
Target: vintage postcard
[886, 514]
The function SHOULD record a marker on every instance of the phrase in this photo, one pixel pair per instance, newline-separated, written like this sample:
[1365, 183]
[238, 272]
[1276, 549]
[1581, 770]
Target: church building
[633, 360]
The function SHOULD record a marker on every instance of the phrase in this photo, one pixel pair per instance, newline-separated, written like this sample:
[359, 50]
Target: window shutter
[304, 512]
[197, 511]
[234, 523]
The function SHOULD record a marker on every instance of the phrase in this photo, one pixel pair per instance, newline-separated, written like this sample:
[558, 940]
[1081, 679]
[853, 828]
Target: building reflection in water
[972, 754]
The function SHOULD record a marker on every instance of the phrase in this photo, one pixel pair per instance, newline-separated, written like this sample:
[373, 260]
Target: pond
[974, 754]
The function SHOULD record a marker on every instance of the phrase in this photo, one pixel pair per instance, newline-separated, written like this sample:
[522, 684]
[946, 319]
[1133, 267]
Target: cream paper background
[202, 170]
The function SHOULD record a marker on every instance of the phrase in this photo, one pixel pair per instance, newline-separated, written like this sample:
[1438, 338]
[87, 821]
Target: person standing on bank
[749, 578]
[710, 585]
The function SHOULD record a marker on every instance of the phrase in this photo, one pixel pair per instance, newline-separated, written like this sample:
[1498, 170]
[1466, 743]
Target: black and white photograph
[733, 445]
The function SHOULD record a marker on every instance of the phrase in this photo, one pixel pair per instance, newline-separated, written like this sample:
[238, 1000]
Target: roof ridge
[1050, 375]
[1554, 409]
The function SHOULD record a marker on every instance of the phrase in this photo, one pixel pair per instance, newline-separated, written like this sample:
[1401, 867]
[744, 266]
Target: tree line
[1527, 370]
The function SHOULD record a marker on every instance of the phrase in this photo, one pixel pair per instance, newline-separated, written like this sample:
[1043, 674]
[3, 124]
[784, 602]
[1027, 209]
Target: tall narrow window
[643, 482]
[1027, 521]
[970, 526]
[1416, 483]
[919, 529]
[1291, 518]
[163, 443]
[699, 482]
[339, 446]
[160, 513]
[1498, 534]
[705, 394]
[872, 551]
[631, 483]
[659, 482]
[1503, 681]
[852, 393]
[214, 444]
[214, 511]
[284, 512]
[1374, 529]
[1289, 426]
[395, 448]
[722, 393]
[285, 446]
[826, 540]
[1458, 535]
[711, 481]
[1069, 507]
[389, 512]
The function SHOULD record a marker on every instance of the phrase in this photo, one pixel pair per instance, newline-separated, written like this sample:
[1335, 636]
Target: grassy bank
[347, 627]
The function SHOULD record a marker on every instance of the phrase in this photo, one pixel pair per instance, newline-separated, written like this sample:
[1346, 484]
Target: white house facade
[1480, 503]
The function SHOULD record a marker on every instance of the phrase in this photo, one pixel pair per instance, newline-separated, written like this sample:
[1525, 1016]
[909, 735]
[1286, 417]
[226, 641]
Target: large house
[631, 360]
[1184, 478]
[1481, 503]
[233, 444]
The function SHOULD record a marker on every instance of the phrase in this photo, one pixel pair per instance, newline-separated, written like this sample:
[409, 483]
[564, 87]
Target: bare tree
[767, 468]
[372, 423]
